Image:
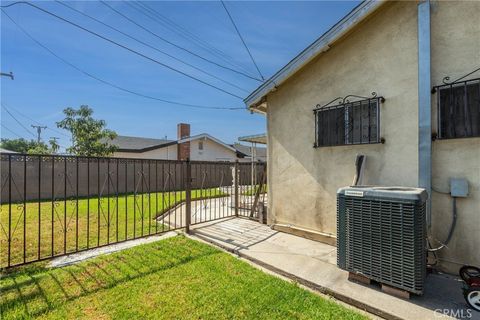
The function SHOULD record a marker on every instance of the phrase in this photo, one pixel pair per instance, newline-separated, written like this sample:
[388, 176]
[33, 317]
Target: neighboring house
[202, 147]
[400, 50]
[2, 150]
[147, 148]
[251, 153]
[255, 153]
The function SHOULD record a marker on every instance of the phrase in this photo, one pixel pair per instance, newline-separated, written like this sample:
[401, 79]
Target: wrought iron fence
[252, 178]
[55, 205]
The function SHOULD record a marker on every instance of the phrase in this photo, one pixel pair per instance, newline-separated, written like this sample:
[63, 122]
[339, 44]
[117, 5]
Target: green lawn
[135, 218]
[176, 278]
[253, 191]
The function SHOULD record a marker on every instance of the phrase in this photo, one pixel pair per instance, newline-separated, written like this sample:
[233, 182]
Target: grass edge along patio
[172, 278]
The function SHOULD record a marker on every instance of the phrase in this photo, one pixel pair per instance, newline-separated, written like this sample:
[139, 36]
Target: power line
[241, 38]
[173, 44]
[53, 141]
[186, 34]
[14, 118]
[150, 46]
[42, 127]
[16, 134]
[123, 47]
[109, 83]
[29, 118]
[12, 132]
[59, 132]
[156, 17]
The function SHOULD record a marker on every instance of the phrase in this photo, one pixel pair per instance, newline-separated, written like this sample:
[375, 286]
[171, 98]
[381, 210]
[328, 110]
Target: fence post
[237, 202]
[258, 191]
[188, 196]
[10, 208]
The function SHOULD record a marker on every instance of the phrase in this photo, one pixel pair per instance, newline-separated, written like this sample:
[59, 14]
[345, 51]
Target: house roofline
[154, 147]
[206, 135]
[255, 138]
[187, 139]
[256, 100]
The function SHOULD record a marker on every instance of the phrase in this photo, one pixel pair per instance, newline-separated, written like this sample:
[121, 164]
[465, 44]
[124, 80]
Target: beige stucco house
[401, 51]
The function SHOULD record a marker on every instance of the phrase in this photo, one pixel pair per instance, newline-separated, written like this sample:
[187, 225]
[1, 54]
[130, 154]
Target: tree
[25, 146]
[54, 146]
[40, 148]
[18, 145]
[89, 136]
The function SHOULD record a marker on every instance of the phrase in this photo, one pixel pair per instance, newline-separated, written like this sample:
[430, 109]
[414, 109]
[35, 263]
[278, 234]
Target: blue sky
[274, 31]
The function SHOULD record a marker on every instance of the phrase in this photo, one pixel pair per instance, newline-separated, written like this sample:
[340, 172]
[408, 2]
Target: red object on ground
[471, 289]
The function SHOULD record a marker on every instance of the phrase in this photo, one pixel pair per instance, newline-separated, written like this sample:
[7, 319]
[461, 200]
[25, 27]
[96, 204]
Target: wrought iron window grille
[458, 108]
[349, 120]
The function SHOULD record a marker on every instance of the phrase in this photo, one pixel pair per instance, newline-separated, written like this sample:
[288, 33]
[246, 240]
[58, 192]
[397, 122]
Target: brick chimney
[183, 149]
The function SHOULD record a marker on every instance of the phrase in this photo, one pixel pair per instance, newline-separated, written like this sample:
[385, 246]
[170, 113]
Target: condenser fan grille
[382, 239]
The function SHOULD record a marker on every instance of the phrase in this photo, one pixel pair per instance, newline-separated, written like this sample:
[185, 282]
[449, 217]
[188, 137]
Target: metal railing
[458, 109]
[56, 205]
[354, 120]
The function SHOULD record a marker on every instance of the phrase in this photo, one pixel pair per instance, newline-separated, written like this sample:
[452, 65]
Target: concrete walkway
[114, 247]
[313, 264]
[206, 210]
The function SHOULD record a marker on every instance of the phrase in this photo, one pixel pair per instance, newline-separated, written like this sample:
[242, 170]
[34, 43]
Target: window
[458, 107]
[200, 145]
[348, 123]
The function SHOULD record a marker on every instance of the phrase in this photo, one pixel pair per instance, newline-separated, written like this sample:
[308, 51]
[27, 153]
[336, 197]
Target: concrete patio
[313, 264]
[207, 210]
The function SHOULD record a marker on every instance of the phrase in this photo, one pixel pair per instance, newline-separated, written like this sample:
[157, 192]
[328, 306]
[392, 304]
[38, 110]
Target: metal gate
[56, 205]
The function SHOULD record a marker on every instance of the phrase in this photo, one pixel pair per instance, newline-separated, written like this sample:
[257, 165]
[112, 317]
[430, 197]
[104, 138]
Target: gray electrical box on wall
[459, 187]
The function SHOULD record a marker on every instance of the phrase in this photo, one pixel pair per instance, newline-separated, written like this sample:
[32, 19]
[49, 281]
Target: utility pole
[4, 74]
[39, 131]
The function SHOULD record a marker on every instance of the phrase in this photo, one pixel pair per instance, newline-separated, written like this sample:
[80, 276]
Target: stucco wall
[455, 52]
[167, 153]
[212, 151]
[381, 56]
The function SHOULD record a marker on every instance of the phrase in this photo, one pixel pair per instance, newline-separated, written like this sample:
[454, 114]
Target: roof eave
[158, 146]
[256, 100]
[255, 138]
[207, 136]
